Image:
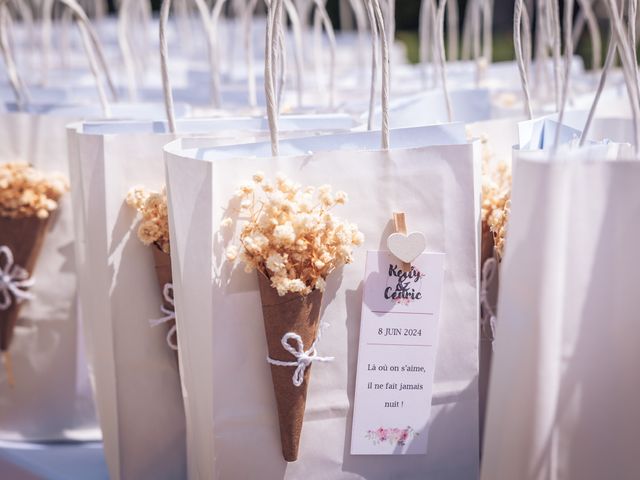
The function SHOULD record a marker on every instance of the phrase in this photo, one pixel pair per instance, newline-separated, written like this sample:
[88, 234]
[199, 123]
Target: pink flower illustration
[403, 301]
[395, 436]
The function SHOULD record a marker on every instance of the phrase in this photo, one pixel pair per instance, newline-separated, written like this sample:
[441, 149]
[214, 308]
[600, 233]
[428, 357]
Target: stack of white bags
[534, 374]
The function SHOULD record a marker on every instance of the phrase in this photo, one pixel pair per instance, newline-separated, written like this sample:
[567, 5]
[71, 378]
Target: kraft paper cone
[24, 236]
[297, 314]
[487, 250]
[486, 244]
[163, 274]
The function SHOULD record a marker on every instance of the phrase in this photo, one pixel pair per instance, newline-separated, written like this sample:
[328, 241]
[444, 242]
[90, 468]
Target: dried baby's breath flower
[137, 197]
[496, 196]
[154, 225]
[291, 236]
[232, 253]
[246, 189]
[27, 192]
[341, 198]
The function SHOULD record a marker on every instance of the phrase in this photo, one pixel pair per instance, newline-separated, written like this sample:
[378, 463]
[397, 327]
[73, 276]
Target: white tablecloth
[52, 461]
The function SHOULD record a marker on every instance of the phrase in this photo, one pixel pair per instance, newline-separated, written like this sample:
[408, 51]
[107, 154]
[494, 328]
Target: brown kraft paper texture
[297, 314]
[24, 237]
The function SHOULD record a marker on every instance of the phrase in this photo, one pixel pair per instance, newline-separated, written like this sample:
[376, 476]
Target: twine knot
[169, 315]
[13, 280]
[303, 358]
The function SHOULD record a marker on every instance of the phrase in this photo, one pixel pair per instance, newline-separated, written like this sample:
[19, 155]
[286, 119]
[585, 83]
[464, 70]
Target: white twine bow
[303, 359]
[488, 319]
[169, 314]
[13, 280]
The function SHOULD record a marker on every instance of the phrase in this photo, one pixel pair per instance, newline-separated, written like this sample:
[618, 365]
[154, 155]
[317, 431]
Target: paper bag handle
[85, 33]
[321, 19]
[426, 29]
[248, 49]
[568, 57]
[521, 15]
[124, 18]
[91, 43]
[431, 42]
[274, 21]
[475, 46]
[164, 54]
[453, 30]
[629, 64]
[587, 15]
[388, 9]
[26, 15]
[487, 31]
[442, 61]
[275, 64]
[80, 15]
[361, 26]
[611, 54]
[215, 52]
[375, 40]
[619, 41]
[15, 80]
[378, 33]
[296, 26]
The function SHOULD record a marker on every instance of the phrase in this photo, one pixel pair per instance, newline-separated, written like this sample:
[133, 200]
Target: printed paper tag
[396, 357]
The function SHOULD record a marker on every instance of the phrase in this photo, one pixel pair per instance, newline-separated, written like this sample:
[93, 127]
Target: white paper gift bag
[498, 138]
[143, 427]
[563, 378]
[540, 133]
[134, 371]
[431, 175]
[564, 383]
[228, 393]
[52, 397]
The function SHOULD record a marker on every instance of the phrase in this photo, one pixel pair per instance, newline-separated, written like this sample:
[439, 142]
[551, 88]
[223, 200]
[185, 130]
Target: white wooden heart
[407, 247]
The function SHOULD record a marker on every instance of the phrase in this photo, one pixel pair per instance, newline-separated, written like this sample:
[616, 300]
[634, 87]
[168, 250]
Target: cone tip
[290, 457]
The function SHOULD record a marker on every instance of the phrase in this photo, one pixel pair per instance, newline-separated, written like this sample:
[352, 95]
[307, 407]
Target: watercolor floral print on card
[394, 436]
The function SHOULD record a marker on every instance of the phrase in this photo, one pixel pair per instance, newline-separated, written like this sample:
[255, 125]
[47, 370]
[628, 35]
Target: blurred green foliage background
[408, 14]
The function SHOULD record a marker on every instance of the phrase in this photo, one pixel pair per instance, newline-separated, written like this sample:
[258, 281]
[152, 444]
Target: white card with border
[396, 356]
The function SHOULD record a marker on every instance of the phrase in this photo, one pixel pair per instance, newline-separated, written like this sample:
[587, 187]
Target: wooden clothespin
[400, 223]
[405, 246]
